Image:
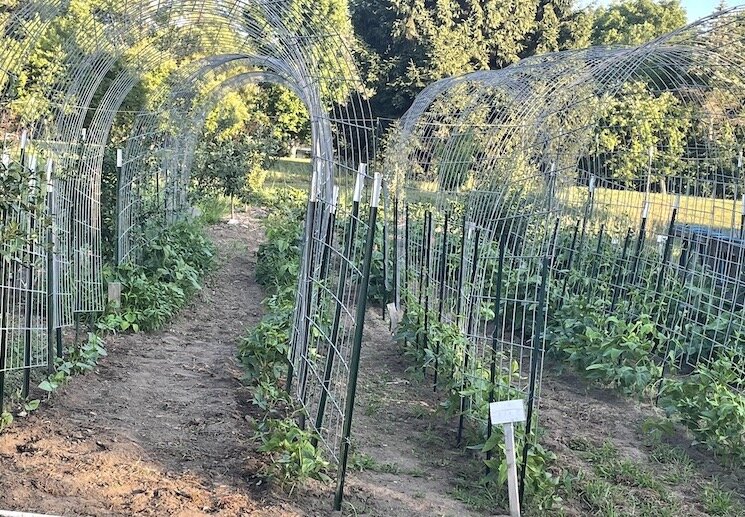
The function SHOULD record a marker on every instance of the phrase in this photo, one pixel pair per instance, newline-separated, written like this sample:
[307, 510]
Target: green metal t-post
[354, 363]
[51, 305]
[117, 223]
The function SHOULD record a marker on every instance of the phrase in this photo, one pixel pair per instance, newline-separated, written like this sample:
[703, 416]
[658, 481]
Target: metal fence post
[354, 362]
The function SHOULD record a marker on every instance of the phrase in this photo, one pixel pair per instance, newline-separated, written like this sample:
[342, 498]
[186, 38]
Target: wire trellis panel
[207, 48]
[607, 179]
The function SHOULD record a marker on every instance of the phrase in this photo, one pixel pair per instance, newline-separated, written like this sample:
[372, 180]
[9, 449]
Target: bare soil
[160, 428]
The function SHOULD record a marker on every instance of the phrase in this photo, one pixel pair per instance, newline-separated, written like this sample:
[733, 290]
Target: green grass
[719, 501]
[627, 205]
[289, 172]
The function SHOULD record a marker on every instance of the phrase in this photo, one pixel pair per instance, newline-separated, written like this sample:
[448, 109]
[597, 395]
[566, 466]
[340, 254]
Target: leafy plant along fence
[588, 204]
[58, 144]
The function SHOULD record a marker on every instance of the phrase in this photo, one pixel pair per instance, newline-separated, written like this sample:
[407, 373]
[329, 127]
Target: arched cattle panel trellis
[599, 188]
[67, 123]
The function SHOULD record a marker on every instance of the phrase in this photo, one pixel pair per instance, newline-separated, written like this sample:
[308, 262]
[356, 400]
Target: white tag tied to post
[377, 187]
[360, 183]
[592, 184]
[645, 211]
[119, 158]
[32, 163]
[6, 160]
[24, 139]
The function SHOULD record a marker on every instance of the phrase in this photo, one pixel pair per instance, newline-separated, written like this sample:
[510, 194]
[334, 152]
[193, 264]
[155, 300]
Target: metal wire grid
[23, 297]
[331, 293]
[228, 43]
[509, 152]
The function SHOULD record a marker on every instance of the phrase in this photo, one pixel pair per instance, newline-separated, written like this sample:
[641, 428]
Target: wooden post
[508, 413]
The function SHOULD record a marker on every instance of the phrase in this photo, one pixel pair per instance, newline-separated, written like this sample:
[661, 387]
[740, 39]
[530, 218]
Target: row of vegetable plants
[169, 273]
[293, 451]
[651, 321]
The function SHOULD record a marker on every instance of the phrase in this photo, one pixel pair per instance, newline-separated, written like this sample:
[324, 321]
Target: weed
[719, 501]
[294, 457]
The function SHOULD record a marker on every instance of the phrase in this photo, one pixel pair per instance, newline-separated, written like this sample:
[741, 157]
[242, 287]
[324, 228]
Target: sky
[695, 8]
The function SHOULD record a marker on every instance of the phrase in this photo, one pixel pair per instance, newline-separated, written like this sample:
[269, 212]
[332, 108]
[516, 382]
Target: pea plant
[446, 345]
[263, 353]
[711, 403]
[170, 272]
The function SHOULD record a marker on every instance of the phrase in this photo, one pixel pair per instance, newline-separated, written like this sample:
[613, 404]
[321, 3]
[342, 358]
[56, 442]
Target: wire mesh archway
[57, 140]
[601, 186]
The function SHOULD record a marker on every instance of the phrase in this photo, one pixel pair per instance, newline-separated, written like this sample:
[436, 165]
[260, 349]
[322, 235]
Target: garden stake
[385, 253]
[341, 288]
[469, 332]
[459, 293]
[406, 256]
[595, 263]
[428, 249]
[537, 336]
[328, 241]
[620, 271]
[462, 262]
[640, 242]
[495, 334]
[29, 284]
[554, 242]
[422, 256]
[119, 208]
[396, 276]
[668, 249]
[661, 274]
[4, 302]
[570, 260]
[51, 307]
[406, 247]
[354, 362]
[442, 274]
[421, 276]
[3, 319]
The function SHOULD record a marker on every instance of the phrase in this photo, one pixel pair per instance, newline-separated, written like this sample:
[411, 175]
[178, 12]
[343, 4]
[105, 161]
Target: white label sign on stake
[507, 413]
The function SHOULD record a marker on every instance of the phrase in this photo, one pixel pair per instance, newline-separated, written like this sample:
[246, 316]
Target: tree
[634, 22]
[635, 123]
[408, 44]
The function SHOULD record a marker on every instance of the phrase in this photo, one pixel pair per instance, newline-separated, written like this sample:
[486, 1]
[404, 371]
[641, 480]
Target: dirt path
[159, 428]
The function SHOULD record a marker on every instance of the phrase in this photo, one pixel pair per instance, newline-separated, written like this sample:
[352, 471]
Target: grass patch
[717, 500]
[289, 172]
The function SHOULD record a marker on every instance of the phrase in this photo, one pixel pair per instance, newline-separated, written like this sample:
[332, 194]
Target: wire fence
[52, 245]
[601, 183]
[595, 187]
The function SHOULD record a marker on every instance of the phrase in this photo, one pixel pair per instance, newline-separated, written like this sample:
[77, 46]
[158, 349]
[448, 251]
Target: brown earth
[160, 428]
